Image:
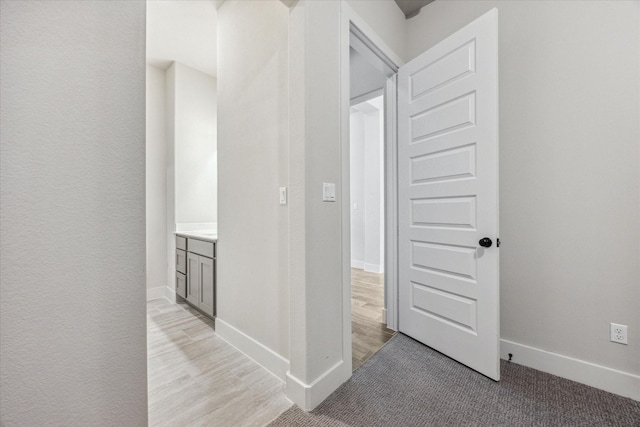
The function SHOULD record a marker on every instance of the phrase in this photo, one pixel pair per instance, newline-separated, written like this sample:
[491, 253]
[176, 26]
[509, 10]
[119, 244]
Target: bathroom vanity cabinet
[196, 273]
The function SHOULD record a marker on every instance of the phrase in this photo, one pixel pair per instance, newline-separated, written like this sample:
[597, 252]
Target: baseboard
[357, 264]
[373, 268]
[262, 355]
[308, 396]
[156, 293]
[611, 380]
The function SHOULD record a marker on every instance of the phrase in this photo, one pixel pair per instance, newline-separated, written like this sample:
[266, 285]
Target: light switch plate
[283, 195]
[328, 192]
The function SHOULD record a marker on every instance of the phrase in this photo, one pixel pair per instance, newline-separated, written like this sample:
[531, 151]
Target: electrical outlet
[618, 333]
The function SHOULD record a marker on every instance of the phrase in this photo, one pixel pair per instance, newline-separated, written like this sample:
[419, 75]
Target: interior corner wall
[156, 180]
[72, 190]
[170, 142]
[253, 228]
[569, 171]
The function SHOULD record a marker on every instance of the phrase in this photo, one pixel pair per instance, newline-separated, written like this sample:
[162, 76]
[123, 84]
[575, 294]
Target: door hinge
[498, 242]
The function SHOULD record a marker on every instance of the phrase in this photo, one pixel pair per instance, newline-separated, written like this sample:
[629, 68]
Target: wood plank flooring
[368, 333]
[197, 379]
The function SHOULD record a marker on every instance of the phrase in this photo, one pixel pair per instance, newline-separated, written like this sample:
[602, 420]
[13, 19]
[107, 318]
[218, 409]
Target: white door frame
[354, 26]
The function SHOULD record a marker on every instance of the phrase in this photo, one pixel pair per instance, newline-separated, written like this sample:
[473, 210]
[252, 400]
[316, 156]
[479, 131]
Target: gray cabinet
[200, 275]
[181, 285]
[181, 266]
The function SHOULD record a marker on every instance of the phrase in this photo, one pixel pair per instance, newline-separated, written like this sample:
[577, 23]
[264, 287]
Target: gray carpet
[407, 384]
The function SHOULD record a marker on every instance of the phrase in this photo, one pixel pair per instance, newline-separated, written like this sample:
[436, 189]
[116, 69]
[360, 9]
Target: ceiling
[411, 8]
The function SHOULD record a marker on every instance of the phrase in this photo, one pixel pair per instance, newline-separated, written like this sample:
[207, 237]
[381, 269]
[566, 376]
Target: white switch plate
[283, 195]
[328, 192]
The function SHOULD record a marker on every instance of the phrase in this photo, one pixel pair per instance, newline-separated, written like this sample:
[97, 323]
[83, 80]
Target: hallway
[195, 378]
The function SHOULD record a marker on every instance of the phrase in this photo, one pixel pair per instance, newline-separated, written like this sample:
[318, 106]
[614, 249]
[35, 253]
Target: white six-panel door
[448, 196]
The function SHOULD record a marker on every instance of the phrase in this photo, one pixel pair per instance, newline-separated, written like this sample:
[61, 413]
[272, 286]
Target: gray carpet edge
[409, 384]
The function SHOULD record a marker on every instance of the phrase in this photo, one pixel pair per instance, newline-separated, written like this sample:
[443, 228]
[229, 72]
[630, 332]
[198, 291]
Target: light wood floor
[368, 333]
[197, 379]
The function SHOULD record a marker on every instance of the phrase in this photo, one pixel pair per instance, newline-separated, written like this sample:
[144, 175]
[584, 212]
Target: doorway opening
[369, 331]
[369, 75]
[441, 194]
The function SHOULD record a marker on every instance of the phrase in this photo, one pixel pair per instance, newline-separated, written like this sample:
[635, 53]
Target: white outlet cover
[619, 333]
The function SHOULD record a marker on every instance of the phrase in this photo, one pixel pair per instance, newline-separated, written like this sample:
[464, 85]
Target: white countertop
[206, 235]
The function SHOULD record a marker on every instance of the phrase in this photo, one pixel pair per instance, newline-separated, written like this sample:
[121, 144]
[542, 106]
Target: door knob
[485, 242]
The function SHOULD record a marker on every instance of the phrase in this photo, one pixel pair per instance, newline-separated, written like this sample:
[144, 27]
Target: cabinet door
[181, 261]
[207, 301]
[193, 278]
[181, 285]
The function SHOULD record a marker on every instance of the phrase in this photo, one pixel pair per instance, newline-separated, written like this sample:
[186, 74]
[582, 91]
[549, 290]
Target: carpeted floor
[407, 384]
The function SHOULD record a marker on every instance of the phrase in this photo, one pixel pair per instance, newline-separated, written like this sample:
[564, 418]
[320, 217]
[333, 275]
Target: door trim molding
[391, 203]
[354, 28]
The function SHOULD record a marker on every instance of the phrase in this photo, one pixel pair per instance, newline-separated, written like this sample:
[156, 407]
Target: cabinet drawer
[181, 285]
[201, 247]
[181, 243]
[181, 261]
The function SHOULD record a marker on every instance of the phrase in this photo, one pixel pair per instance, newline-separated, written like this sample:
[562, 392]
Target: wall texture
[253, 254]
[72, 303]
[569, 170]
[156, 180]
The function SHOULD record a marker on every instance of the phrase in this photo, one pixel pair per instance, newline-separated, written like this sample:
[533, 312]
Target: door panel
[448, 196]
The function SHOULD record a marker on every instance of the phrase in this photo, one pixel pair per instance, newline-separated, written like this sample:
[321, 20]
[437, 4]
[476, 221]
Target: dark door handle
[485, 242]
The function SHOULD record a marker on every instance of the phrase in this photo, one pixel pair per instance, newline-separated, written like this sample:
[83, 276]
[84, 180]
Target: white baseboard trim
[159, 292]
[259, 353]
[308, 396]
[357, 264]
[373, 268]
[611, 380]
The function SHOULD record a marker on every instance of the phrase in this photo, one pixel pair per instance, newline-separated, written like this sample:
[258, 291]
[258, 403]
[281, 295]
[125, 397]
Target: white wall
[386, 19]
[253, 260]
[569, 172]
[320, 357]
[170, 140]
[195, 144]
[366, 174]
[72, 305]
[156, 180]
[356, 161]
[374, 189]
